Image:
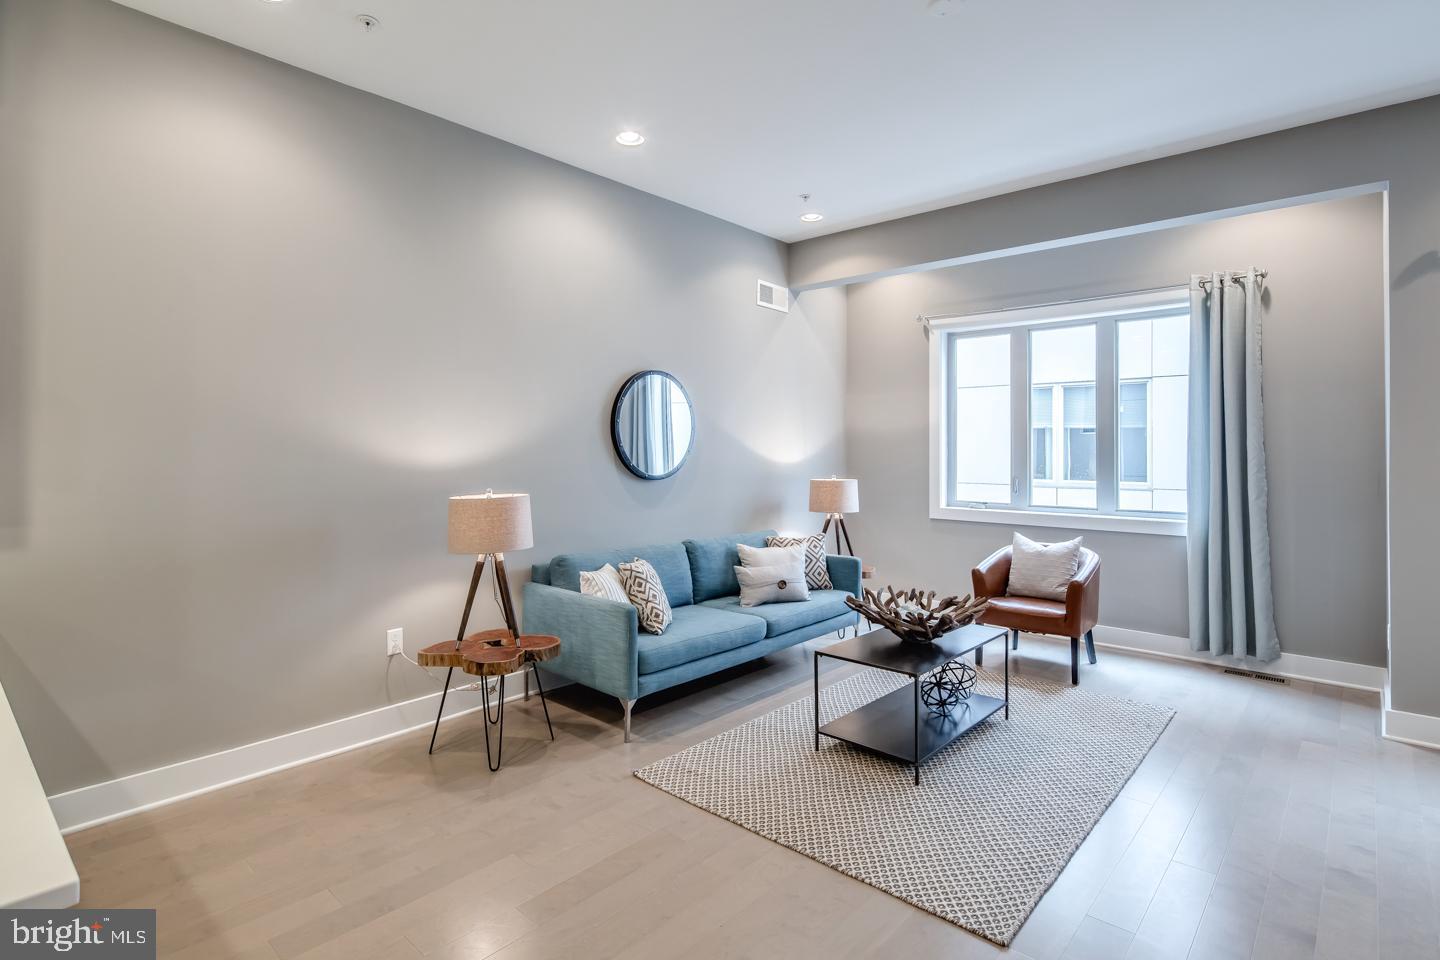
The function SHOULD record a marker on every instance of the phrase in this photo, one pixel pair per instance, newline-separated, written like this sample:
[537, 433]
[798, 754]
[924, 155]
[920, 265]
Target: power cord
[495, 593]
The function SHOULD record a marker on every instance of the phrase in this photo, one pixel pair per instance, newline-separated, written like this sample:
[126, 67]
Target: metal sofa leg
[1014, 639]
[627, 706]
[979, 656]
[1074, 661]
[1090, 645]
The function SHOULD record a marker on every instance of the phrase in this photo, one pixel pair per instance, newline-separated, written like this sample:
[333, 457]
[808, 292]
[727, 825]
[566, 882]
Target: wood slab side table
[492, 653]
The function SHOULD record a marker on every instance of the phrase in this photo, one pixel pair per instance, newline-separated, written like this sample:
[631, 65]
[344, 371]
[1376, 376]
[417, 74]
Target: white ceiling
[874, 107]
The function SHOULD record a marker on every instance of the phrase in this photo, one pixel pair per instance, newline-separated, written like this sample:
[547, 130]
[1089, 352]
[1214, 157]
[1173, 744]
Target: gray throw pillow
[1042, 569]
[778, 584]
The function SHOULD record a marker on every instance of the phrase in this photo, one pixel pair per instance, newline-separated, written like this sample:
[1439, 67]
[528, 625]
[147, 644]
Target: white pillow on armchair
[1042, 570]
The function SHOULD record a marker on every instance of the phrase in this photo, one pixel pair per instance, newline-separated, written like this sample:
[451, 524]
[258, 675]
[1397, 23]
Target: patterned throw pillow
[603, 583]
[647, 594]
[817, 574]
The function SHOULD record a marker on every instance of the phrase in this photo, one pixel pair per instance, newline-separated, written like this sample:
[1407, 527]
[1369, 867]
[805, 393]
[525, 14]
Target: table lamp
[488, 524]
[835, 498]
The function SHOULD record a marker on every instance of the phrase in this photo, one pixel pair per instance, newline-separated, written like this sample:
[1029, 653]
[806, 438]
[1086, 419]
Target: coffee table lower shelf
[888, 726]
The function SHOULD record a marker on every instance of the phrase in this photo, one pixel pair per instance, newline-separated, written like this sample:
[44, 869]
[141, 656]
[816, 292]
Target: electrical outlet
[394, 641]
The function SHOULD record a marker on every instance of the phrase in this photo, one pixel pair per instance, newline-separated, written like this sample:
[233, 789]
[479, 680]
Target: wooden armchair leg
[1090, 645]
[1074, 661]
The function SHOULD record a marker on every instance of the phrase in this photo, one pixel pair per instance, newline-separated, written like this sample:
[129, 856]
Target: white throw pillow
[772, 556]
[1042, 569]
[778, 584]
[603, 583]
[817, 574]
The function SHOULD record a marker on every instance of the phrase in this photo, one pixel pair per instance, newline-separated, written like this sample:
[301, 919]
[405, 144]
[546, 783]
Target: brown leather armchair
[1074, 618]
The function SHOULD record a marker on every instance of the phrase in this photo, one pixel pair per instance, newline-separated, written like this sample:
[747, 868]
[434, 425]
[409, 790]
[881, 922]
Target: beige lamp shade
[490, 522]
[834, 496]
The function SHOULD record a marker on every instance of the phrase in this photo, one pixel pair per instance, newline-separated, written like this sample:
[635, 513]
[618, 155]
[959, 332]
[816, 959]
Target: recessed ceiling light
[629, 138]
[807, 215]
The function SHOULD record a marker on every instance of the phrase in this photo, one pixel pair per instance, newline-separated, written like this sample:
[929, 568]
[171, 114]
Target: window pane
[1153, 357]
[1062, 371]
[980, 434]
[1041, 436]
[1079, 454]
[1135, 435]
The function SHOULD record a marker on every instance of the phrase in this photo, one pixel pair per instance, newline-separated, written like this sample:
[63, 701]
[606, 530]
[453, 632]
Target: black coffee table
[897, 726]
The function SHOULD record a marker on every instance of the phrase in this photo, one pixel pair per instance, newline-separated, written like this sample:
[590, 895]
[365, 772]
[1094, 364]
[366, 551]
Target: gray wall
[257, 326]
[1324, 414]
[1398, 146]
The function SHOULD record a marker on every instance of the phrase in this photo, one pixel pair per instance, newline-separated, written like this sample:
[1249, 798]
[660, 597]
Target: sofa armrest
[599, 639]
[844, 573]
[992, 576]
[1082, 595]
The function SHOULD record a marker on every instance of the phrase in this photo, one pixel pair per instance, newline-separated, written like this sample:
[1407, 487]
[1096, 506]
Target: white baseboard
[102, 802]
[1417, 729]
[113, 799]
[1337, 673]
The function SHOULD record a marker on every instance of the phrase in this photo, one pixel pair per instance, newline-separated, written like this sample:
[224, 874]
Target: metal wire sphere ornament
[942, 690]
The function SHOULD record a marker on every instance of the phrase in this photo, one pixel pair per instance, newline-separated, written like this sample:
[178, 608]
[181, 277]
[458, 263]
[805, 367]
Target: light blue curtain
[1231, 606]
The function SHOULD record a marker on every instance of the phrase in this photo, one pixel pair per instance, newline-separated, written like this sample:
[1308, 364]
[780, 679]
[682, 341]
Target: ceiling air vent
[772, 295]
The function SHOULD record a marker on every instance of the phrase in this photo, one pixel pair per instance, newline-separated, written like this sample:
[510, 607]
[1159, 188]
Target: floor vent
[1268, 678]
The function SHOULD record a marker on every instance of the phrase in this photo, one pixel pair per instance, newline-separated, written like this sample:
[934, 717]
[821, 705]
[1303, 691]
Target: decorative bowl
[916, 616]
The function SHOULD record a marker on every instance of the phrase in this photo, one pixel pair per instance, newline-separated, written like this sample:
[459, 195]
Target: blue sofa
[603, 647]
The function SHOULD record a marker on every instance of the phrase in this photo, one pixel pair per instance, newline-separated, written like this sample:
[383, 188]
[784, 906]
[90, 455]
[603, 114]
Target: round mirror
[653, 425]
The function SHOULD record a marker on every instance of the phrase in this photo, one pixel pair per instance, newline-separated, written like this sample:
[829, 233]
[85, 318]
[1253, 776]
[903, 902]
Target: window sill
[1160, 526]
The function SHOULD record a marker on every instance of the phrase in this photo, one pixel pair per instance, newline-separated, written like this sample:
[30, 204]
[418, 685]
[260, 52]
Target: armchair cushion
[1026, 614]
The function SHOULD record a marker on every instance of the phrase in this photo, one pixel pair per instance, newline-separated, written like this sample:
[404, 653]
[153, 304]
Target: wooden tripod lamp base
[837, 520]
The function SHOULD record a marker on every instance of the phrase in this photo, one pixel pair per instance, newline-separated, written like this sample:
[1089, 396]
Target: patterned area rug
[997, 816]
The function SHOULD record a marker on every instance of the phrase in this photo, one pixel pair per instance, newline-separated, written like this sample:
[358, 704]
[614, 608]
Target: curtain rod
[1236, 275]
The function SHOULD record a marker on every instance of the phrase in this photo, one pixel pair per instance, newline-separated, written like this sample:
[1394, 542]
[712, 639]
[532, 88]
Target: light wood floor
[1269, 821]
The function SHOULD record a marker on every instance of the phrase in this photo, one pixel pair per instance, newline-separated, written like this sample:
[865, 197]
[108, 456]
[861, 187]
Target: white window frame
[1106, 309]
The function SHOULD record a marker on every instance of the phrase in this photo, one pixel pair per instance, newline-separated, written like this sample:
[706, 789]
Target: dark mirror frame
[615, 424]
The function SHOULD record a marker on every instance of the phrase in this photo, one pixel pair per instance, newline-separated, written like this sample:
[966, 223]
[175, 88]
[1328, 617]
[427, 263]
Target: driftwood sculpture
[912, 615]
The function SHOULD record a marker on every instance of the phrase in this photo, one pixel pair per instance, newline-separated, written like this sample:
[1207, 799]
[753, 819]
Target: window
[982, 402]
[1079, 409]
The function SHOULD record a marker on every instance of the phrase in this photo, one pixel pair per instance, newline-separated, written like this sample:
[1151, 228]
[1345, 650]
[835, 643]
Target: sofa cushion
[669, 560]
[713, 562]
[696, 632]
[783, 617]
